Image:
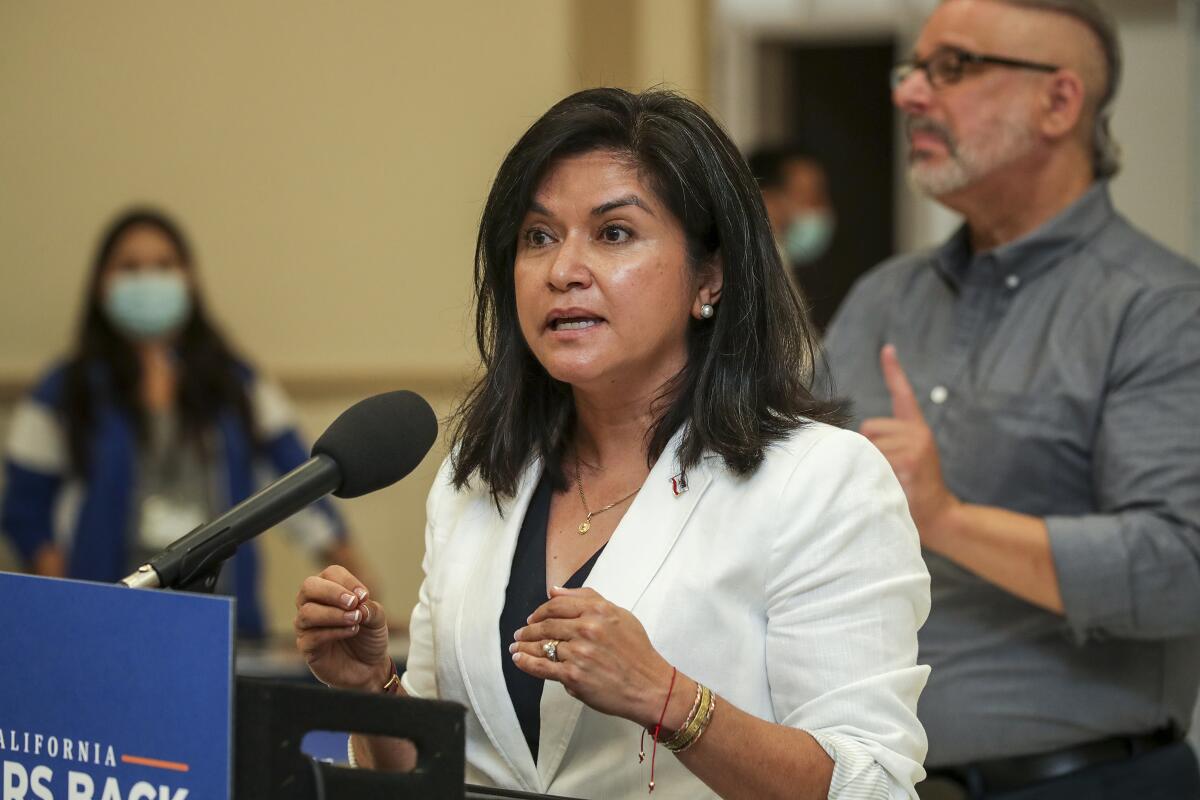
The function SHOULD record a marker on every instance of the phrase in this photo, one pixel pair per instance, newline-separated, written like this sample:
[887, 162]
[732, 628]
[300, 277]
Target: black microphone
[372, 444]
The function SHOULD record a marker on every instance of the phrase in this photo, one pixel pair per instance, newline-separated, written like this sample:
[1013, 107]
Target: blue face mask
[147, 305]
[808, 236]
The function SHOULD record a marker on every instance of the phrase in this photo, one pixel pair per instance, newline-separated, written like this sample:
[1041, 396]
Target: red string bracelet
[654, 750]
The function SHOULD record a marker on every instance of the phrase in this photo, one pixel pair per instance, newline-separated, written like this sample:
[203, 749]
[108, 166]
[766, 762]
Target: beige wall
[330, 161]
[1155, 121]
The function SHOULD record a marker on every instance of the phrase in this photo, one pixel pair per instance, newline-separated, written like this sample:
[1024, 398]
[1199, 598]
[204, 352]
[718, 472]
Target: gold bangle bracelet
[393, 684]
[684, 737]
[687, 735]
[712, 706]
[679, 735]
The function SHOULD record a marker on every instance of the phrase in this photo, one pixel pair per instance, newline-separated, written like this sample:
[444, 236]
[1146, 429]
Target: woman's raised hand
[342, 632]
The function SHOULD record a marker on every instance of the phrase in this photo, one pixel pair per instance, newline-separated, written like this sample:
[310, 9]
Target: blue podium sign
[111, 693]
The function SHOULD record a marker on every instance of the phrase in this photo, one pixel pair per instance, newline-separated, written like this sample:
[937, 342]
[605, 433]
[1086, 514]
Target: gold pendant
[585, 526]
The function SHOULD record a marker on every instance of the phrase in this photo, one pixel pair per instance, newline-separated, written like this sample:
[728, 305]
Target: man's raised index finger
[904, 400]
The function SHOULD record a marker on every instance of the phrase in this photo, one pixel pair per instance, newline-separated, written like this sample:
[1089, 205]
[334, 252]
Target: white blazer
[794, 593]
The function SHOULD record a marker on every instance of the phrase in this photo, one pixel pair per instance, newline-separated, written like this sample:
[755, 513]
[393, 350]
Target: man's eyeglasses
[947, 65]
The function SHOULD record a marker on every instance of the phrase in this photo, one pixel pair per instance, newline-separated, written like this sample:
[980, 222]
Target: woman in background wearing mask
[795, 191]
[150, 426]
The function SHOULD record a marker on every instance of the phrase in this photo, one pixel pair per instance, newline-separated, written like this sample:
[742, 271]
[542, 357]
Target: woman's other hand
[49, 561]
[604, 656]
[341, 632]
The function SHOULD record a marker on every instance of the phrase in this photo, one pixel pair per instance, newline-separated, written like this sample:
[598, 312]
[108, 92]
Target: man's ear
[1062, 104]
[712, 278]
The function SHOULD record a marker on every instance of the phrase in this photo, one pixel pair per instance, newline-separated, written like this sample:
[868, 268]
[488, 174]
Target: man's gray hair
[1106, 153]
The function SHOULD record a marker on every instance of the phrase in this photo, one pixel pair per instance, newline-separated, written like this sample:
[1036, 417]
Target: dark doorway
[832, 99]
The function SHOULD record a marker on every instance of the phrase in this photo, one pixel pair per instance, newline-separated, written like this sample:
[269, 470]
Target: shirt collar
[1035, 252]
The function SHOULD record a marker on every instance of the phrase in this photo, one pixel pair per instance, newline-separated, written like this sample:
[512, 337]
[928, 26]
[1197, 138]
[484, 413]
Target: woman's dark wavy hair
[748, 379]
[104, 361]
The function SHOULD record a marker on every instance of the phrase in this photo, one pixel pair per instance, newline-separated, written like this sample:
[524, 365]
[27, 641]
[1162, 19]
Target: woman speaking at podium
[649, 528]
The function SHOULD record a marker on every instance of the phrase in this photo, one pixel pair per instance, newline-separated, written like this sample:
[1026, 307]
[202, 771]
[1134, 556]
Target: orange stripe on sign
[154, 762]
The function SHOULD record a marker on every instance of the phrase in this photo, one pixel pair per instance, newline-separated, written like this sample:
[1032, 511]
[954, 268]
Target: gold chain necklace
[586, 525]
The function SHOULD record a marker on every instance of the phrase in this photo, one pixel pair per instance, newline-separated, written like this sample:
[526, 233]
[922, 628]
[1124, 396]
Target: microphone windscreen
[378, 441]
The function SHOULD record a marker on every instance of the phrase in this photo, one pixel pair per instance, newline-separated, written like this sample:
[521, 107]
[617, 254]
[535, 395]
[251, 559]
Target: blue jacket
[37, 470]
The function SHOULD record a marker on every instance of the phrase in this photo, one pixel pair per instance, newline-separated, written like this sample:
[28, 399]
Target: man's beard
[966, 162]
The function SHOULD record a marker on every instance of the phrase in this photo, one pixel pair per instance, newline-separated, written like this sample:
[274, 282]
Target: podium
[108, 692]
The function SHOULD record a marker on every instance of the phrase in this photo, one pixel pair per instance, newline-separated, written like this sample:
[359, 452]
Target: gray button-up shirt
[1060, 374]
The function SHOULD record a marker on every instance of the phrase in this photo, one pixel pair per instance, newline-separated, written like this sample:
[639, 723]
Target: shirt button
[1012, 281]
[938, 395]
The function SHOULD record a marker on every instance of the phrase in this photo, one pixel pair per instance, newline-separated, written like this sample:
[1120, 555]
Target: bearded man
[1035, 384]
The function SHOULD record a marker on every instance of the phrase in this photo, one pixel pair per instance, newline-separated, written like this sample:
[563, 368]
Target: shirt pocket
[1026, 452]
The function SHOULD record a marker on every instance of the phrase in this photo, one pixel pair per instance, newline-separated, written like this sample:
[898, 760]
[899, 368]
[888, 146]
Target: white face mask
[146, 305]
[808, 236]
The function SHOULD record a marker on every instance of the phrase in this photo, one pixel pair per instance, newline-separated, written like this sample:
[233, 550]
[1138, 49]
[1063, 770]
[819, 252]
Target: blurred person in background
[151, 426]
[1035, 384]
[795, 191]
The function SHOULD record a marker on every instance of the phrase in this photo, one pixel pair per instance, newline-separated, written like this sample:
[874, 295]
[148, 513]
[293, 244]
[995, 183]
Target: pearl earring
[706, 311]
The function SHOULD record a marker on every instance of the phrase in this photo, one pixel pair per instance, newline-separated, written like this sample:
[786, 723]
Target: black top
[526, 591]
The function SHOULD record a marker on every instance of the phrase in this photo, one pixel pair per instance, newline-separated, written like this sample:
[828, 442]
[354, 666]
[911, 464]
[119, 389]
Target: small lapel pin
[679, 483]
